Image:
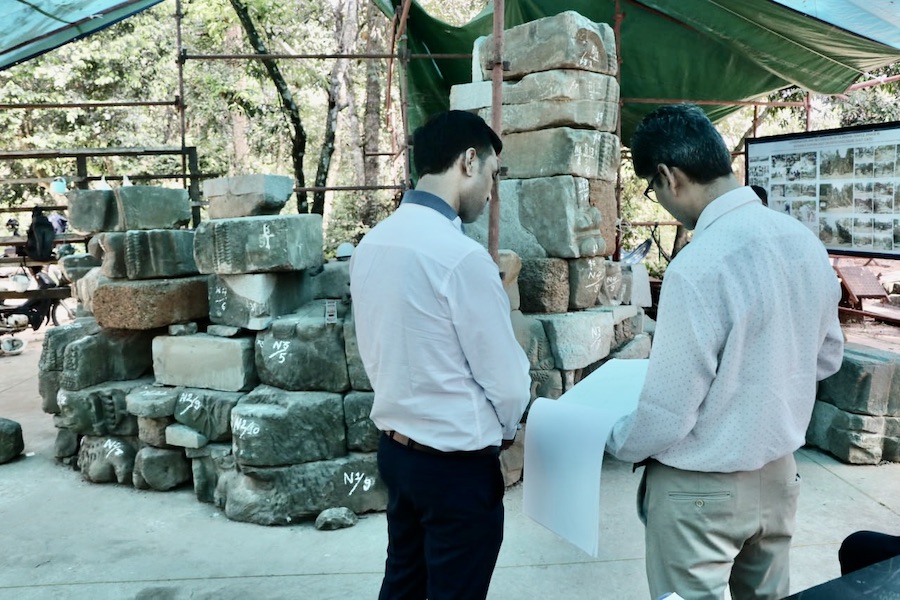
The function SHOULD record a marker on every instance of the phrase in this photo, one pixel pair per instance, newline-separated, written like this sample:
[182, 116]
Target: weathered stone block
[159, 253]
[513, 235]
[585, 278]
[259, 244]
[107, 459]
[332, 281]
[99, 410]
[208, 464]
[362, 435]
[66, 444]
[304, 352]
[184, 436]
[636, 348]
[580, 114]
[152, 207]
[92, 211]
[152, 401]
[111, 355]
[86, 286]
[283, 495]
[510, 265]
[207, 411]
[863, 383]
[150, 303]
[160, 469]
[603, 197]
[339, 517]
[205, 361]
[76, 266]
[11, 441]
[359, 379]
[530, 334]
[567, 40]
[272, 427]
[578, 339]
[564, 151]
[183, 328]
[544, 285]
[253, 301]
[48, 388]
[546, 216]
[113, 262]
[558, 86]
[224, 330]
[852, 438]
[152, 431]
[546, 383]
[247, 195]
[57, 339]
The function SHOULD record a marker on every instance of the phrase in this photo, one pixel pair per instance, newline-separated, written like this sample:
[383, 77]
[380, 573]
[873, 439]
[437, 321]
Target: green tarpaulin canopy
[717, 50]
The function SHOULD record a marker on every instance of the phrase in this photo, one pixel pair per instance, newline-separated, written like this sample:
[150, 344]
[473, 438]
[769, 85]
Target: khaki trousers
[708, 530]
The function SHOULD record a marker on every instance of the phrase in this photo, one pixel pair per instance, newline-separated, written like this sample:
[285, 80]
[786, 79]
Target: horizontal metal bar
[110, 104]
[28, 209]
[76, 179]
[707, 102]
[88, 152]
[651, 223]
[322, 56]
[350, 188]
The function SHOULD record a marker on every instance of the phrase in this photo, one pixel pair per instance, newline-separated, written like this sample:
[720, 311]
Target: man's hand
[506, 444]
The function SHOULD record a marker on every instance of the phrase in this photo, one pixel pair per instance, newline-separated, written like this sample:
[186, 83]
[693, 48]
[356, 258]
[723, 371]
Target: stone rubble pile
[224, 356]
[558, 208]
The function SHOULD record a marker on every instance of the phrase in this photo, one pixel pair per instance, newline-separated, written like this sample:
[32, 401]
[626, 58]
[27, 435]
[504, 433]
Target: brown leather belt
[414, 445]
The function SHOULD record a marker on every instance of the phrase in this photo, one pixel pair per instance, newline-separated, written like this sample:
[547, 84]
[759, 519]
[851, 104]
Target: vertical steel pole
[618, 33]
[497, 125]
[179, 15]
[807, 103]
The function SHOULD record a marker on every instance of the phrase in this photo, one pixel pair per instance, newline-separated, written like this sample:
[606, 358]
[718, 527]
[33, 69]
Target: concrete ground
[61, 537]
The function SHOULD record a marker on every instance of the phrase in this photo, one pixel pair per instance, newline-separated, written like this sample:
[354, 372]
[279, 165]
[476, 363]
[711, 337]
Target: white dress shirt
[747, 324]
[434, 331]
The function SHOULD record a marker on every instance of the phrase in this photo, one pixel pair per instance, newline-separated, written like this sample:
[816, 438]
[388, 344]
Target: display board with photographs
[844, 184]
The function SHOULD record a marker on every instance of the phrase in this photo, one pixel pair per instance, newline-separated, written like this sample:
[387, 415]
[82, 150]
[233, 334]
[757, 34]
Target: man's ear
[673, 176]
[469, 159]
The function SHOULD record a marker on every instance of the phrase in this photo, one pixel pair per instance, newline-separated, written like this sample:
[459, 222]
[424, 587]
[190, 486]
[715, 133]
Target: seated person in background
[865, 548]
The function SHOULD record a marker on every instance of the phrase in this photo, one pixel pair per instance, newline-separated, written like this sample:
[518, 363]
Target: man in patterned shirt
[747, 325]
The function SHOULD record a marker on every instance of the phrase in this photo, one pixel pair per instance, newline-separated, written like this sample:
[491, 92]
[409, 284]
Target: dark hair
[439, 142]
[680, 135]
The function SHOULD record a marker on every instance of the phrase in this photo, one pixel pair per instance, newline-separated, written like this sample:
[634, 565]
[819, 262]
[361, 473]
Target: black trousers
[445, 523]
[865, 548]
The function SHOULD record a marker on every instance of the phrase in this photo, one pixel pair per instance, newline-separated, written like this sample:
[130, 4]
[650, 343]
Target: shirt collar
[725, 203]
[431, 201]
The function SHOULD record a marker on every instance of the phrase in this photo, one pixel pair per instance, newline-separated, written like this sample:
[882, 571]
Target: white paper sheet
[564, 444]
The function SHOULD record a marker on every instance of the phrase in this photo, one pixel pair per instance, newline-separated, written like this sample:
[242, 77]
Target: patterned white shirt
[747, 324]
[434, 331]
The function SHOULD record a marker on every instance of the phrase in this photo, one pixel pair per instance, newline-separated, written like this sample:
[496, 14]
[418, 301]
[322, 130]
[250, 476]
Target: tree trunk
[346, 30]
[288, 106]
[375, 72]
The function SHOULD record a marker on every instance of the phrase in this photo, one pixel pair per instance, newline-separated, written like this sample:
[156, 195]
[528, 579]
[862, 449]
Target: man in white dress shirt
[747, 325]
[451, 382]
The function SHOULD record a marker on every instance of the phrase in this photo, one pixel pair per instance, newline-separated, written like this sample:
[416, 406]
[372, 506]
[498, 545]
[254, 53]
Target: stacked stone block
[147, 277]
[265, 407]
[557, 209]
[857, 412]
